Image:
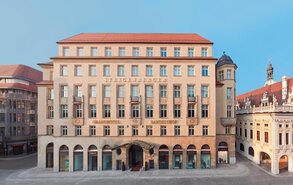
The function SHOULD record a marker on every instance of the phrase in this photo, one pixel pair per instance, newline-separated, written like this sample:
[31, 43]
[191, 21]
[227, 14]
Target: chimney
[284, 88]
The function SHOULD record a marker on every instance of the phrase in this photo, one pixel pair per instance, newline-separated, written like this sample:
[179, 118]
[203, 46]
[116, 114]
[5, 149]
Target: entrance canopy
[143, 144]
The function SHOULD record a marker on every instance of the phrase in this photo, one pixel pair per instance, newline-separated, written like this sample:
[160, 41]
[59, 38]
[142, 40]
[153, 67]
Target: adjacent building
[265, 124]
[18, 109]
[126, 101]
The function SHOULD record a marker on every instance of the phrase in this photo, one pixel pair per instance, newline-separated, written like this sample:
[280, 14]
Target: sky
[252, 32]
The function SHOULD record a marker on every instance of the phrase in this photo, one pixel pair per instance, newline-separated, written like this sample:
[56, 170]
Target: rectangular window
[163, 91]
[176, 52]
[191, 130]
[266, 137]
[190, 52]
[177, 111]
[204, 52]
[78, 70]
[108, 52]
[80, 51]
[94, 51]
[134, 70]
[287, 138]
[163, 111]
[204, 111]
[121, 70]
[149, 111]
[78, 110]
[229, 93]
[177, 71]
[149, 130]
[50, 112]
[135, 111]
[121, 111]
[221, 75]
[190, 90]
[121, 91]
[190, 70]
[229, 74]
[176, 90]
[240, 131]
[93, 111]
[163, 70]
[107, 111]
[135, 52]
[205, 130]
[149, 52]
[121, 51]
[93, 91]
[120, 130]
[78, 90]
[64, 130]
[163, 52]
[251, 134]
[63, 70]
[134, 91]
[204, 91]
[228, 130]
[229, 111]
[106, 130]
[177, 130]
[92, 130]
[92, 70]
[149, 70]
[107, 70]
[50, 130]
[107, 91]
[280, 139]
[245, 132]
[204, 71]
[149, 91]
[258, 135]
[64, 111]
[163, 130]
[51, 94]
[78, 130]
[134, 130]
[190, 111]
[65, 51]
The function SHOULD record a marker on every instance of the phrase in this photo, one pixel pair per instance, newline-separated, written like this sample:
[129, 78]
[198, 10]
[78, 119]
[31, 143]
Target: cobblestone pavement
[242, 173]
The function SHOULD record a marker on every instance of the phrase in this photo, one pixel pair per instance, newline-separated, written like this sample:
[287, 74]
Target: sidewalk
[15, 157]
[222, 171]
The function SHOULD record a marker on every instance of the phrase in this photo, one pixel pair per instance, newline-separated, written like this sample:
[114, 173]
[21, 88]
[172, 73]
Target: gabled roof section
[156, 38]
[21, 71]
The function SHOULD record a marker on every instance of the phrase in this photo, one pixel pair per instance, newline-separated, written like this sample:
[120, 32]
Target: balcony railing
[228, 122]
[134, 99]
[77, 99]
[191, 99]
[263, 109]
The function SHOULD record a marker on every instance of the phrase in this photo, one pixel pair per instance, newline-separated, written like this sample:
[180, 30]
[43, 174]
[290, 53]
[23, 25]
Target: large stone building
[111, 101]
[265, 124]
[18, 109]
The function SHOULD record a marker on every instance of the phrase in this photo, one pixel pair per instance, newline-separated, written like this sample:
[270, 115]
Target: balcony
[228, 122]
[134, 99]
[191, 99]
[77, 99]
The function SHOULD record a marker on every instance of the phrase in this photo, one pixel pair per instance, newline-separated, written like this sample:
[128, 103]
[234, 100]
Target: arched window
[92, 158]
[163, 157]
[107, 158]
[177, 156]
[78, 158]
[241, 147]
[50, 155]
[191, 156]
[251, 151]
[63, 158]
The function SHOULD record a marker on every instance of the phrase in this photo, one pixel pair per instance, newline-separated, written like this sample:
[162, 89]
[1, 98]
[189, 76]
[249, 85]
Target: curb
[17, 157]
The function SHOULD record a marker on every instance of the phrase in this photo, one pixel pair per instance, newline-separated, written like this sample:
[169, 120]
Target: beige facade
[264, 125]
[134, 103]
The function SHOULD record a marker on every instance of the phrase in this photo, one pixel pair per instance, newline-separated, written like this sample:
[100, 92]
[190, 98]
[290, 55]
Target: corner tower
[226, 120]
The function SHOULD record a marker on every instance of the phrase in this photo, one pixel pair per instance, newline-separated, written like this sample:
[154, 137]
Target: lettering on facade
[164, 121]
[135, 79]
[284, 120]
[106, 121]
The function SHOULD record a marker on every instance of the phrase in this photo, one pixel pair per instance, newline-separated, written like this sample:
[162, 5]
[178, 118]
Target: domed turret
[225, 59]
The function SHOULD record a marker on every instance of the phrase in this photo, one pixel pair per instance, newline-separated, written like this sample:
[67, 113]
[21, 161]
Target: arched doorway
[283, 164]
[265, 161]
[177, 157]
[251, 151]
[135, 155]
[223, 153]
[242, 147]
[78, 158]
[92, 158]
[163, 157]
[107, 158]
[205, 156]
[191, 157]
[50, 155]
[63, 159]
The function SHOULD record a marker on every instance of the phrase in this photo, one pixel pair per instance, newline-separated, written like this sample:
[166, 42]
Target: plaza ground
[22, 171]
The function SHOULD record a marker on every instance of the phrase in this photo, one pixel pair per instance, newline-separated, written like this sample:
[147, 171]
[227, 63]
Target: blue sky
[251, 32]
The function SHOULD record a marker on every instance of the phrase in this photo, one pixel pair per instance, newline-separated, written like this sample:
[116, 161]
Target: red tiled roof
[256, 95]
[179, 38]
[30, 87]
[21, 71]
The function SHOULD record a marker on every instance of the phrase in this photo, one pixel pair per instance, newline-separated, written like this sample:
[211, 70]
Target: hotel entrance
[135, 157]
